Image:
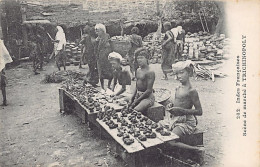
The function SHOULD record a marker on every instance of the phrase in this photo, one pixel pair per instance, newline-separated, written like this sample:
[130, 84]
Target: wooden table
[131, 154]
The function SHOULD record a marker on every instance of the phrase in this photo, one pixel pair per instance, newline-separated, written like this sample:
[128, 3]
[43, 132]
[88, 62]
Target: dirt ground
[34, 132]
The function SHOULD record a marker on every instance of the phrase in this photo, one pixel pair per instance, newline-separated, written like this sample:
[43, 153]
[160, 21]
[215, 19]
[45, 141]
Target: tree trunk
[221, 25]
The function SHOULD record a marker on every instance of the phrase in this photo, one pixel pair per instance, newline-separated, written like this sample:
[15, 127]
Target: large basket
[161, 94]
[122, 47]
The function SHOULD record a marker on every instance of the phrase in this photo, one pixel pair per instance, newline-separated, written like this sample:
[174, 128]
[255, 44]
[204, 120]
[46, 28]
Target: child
[182, 116]
[182, 120]
[120, 75]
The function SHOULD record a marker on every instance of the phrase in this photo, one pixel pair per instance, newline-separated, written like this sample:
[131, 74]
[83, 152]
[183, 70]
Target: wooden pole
[201, 22]
[157, 7]
[203, 11]
[23, 11]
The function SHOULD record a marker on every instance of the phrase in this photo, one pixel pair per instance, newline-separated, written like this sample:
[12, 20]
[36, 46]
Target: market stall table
[132, 153]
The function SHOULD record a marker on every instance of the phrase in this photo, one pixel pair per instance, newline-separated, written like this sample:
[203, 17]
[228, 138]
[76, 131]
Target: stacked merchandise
[154, 47]
[204, 45]
[121, 45]
[73, 53]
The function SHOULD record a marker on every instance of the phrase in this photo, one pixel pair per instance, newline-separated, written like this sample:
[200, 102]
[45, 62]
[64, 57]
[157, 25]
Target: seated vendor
[182, 117]
[121, 76]
[143, 97]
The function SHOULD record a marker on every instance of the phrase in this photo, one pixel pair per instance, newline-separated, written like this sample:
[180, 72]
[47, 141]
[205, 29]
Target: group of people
[38, 50]
[105, 64]
[181, 118]
[96, 52]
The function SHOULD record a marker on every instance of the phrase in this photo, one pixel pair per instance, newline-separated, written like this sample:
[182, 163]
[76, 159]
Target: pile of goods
[154, 46]
[83, 93]
[60, 76]
[131, 124]
[89, 96]
[120, 38]
[73, 53]
[205, 45]
[121, 45]
[197, 45]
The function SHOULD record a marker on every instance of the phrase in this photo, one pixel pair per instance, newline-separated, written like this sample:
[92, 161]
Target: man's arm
[115, 82]
[150, 77]
[196, 102]
[121, 90]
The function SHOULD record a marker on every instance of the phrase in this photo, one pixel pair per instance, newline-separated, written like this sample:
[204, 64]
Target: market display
[131, 124]
[205, 45]
[73, 53]
[196, 46]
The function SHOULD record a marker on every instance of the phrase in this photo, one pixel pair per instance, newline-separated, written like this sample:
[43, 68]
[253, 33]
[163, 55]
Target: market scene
[113, 83]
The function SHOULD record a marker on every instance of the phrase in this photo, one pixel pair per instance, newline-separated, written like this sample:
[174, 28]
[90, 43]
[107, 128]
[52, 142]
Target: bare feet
[4, 104]
[164, 78]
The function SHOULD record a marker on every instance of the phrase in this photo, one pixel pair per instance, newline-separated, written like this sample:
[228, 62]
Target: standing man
[103, 48]
[143, 96]
[136, 42]
[180, 39]
[59, 46]
[89, 56]
[4, 59]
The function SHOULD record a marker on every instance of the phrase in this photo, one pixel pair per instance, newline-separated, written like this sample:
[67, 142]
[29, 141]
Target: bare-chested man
[182, 120]
[143, 97]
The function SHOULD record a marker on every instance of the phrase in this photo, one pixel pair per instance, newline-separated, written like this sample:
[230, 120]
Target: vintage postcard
[138, 83]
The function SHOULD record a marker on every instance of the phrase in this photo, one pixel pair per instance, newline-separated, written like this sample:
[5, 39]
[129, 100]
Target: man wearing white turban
[59, 45]
[120, 75]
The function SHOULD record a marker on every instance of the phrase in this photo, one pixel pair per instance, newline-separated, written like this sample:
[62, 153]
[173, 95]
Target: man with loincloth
[143, 96]
[180, 116]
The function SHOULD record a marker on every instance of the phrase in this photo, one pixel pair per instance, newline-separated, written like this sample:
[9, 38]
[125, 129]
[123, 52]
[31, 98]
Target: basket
[161, 94]
[122, 47]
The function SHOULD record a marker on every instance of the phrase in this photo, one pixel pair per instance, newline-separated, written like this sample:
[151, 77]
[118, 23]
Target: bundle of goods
[204, 45]
[59, 76]
[131, 124]
[90, 97]
[73, 53]
[120, 44]
[83, 93]
[154, 46]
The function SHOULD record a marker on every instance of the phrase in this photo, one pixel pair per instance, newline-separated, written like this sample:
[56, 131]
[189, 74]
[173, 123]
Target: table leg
[61, 100]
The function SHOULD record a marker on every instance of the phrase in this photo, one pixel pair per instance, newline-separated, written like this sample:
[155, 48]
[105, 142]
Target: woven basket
[122, 47]
[161, 94]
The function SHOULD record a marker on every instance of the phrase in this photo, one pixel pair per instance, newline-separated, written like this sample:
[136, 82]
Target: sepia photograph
[128, 83]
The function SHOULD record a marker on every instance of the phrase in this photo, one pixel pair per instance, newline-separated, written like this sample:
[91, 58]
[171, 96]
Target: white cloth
[115, 55]
[175, 33]
[60, 36]
[182, 65]
[179, 28]
[4, 56]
